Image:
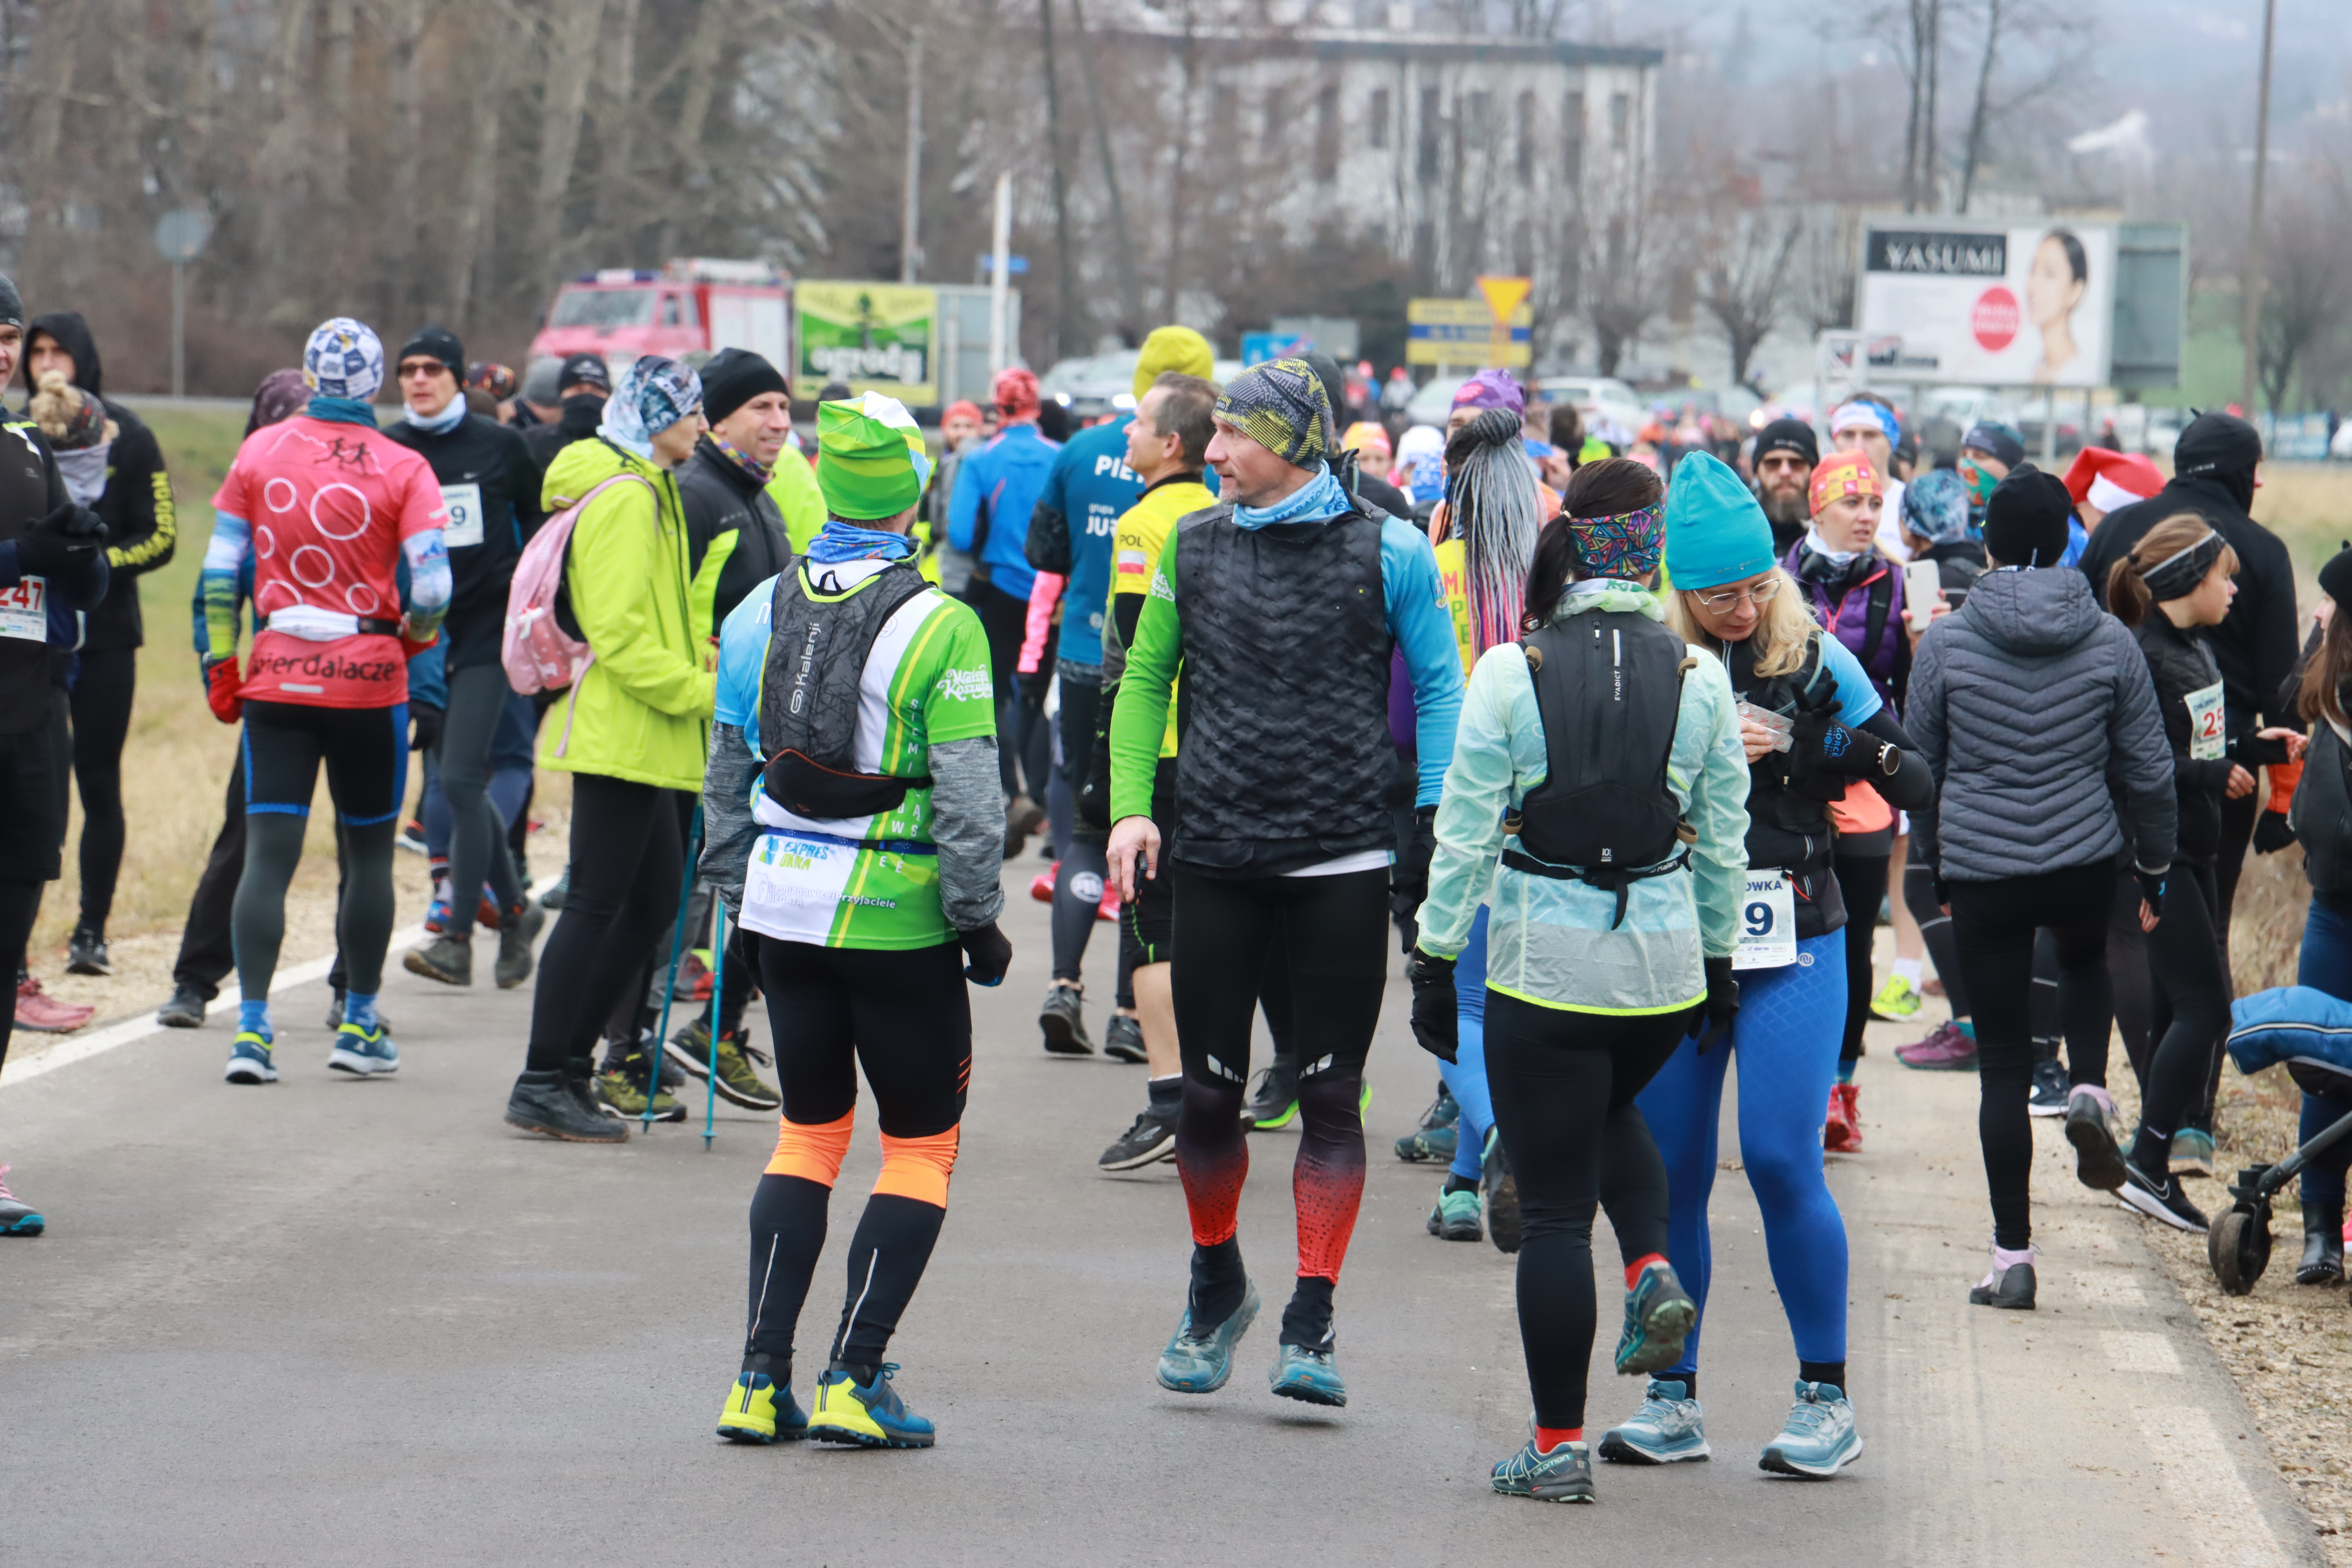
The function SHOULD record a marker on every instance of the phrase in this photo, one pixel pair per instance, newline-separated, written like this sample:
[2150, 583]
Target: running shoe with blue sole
[250, 1059]
[761, 1410]
[1309, 1375]
[17, 1218]
[364, 1051]
[1563, 1474]
[1818, 1439]
[1668, 1429]
[868, 1415]
[1199, 1362]
[1659, 1316]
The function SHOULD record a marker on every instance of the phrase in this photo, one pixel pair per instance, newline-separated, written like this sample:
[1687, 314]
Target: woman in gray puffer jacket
[2026, 702]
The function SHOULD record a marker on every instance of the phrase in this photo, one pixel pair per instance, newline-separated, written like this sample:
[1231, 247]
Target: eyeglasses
[1758, 595]
[416, 367]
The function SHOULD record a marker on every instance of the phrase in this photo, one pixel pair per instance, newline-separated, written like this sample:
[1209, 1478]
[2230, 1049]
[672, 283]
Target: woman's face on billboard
[2051, 290]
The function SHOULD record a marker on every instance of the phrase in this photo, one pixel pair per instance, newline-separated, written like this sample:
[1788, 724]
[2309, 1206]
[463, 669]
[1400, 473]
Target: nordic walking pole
[669, 974]
[717, 1009]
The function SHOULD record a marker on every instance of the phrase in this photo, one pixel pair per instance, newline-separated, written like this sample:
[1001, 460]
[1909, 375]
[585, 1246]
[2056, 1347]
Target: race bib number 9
[1768, 924]
[23, 610]
[2208, 736]
[464, 504]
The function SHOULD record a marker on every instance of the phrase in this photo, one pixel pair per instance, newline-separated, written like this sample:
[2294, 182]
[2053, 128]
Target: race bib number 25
[2208, 736]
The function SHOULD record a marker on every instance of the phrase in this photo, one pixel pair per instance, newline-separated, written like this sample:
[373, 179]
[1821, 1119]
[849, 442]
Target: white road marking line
[2132, 1350]
[134, 1029]
[2222, 1525]
[2109, 1289]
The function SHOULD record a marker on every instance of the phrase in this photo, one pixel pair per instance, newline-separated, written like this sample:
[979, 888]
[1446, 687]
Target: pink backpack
[538, 653]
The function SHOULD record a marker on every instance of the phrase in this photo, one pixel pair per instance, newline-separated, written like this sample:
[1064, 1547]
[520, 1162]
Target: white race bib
[464, 504]
[1768, 924]
[2208, 736]
[792, 886]
[23, 610]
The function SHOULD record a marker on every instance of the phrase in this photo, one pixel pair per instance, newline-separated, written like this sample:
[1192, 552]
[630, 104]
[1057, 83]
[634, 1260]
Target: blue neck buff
[1320, 500]
[837, 541]
[440, 424]
[343, 411]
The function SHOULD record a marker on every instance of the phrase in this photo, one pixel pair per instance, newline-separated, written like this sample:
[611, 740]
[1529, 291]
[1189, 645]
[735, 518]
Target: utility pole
[1001, 264]
[1065, 340]
[1130, 287]
[910, 219]
[2250, 320]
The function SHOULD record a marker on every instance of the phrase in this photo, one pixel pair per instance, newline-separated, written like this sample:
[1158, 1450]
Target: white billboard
[1945, 300]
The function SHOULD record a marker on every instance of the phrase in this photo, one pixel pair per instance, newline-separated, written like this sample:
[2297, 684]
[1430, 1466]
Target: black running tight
[2191, 1014]
[1564, 1085]
[628, 855]
[101, 719]
[1935, 929]
[1862, 881]
[19, 903]
[1994, 924]
[477, 848]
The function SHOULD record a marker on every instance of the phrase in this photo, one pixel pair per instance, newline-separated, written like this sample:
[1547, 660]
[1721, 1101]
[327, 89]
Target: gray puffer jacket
[2021, 700]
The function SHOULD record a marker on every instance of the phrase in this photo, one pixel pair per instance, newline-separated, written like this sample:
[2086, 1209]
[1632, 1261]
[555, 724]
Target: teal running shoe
[761, 1410]
[1436, 1144]
[1564, 1475]
[250, 1059]
[364, 1051]
[1659, 1314]
[866, 1415]
[1668, 1429]
[1455, 1217]
[1307, 1374]
[1199, 1362]
[2192, 1153]
[1818, 1439]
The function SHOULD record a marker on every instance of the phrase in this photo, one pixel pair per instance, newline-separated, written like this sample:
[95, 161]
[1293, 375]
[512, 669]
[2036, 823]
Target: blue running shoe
[17, 1218]
[1563, 1474]
[1455, 1217]
[761, 1410]
[250, 1060]
[1666, 1430]
[1818, 1438]
[870, 1415]
[1307, 1374]
[1428, 1143]
[1659, 1314]
[366, 1051]
[1199, 1362]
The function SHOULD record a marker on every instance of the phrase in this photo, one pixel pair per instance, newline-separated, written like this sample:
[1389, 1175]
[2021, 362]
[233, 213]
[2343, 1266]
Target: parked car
[1434, 402]
[1598, 398]
[1092, 386]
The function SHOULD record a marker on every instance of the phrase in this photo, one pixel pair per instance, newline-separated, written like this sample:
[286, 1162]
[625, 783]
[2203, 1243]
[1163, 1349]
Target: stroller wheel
[2239, 1247]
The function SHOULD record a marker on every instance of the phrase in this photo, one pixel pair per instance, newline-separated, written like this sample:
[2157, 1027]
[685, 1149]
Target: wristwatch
[1890, 759]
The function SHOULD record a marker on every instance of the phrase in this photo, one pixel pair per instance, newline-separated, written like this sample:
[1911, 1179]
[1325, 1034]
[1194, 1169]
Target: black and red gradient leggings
[1336, 931]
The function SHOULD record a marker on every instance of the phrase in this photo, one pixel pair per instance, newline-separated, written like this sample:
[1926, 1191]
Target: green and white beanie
[871, 460]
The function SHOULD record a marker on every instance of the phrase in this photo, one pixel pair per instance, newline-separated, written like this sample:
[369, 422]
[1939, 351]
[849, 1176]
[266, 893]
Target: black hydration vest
[809, 695]
[1609, 688]
[1787, 831]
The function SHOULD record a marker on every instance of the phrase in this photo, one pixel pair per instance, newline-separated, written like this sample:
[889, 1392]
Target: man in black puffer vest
[1281, 604]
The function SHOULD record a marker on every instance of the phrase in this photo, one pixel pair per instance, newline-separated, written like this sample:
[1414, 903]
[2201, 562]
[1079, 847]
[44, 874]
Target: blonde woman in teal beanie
[1809, 721]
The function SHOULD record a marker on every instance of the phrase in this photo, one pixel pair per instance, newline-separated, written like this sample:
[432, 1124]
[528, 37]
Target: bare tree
[2054, 37]
[1825, 264]
[1745, 272]
[2306, 283]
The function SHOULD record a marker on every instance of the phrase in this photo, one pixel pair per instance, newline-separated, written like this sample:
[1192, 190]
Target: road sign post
[181, 236]
[1504, 296]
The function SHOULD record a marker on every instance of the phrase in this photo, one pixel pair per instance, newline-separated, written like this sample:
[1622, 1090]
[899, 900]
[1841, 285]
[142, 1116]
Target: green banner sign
[876, 337]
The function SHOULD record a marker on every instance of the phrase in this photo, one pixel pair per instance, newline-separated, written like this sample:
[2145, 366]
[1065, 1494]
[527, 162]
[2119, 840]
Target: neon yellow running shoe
[1898, 1001]
[761, 1410]
[870, 1414]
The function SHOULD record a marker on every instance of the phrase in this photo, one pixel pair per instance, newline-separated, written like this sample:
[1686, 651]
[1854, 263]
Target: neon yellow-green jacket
[642, 711]
[792, 485]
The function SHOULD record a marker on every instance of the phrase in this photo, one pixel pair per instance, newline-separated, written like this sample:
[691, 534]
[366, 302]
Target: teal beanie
[1716, 533]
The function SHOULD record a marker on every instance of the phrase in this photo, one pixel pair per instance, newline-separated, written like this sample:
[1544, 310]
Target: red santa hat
[2110, 479]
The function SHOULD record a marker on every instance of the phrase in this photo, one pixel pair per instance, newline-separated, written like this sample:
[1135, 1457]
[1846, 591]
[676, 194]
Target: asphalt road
[364, 1322]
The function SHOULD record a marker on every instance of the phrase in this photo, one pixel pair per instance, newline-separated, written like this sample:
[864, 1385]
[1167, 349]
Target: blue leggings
[1787, 1035]
[2325, 966]
[1466, 1076]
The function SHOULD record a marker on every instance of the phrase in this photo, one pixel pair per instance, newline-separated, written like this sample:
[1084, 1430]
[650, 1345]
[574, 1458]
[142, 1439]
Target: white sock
[1910, 969]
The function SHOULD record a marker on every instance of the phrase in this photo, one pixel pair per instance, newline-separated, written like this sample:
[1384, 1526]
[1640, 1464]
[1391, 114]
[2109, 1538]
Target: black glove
[2151, 886]
[1408, 881]
[73, 523]
[1711, 1019]
[427, 719]
[990, 953]
[1094, 791]
[1436, 1022]
[2271, 832]
[53, 555]
[1824, 753]
[1033, 689]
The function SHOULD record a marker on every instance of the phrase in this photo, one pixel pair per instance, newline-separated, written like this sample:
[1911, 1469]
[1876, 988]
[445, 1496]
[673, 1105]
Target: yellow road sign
[1464, 332]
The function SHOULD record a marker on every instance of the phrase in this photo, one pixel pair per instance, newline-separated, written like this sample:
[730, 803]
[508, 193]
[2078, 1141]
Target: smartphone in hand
[1923, 583]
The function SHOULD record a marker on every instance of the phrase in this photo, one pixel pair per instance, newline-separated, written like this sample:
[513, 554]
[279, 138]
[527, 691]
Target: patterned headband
[1627, 546]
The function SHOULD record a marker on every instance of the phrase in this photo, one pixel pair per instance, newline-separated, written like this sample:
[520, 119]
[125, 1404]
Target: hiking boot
[518, 928]
[445, 958]
[1946, 1049]
[2050, 1088]
[2009, 1286]
[1063, 1020]
[1123, 1038]
[553, 1104]
[1274, 1104]
[44, 1014]
[185, 1010]
[86, 951]
[2091, 1127]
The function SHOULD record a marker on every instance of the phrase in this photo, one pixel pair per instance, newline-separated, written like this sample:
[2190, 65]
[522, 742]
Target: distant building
[1460, 153]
